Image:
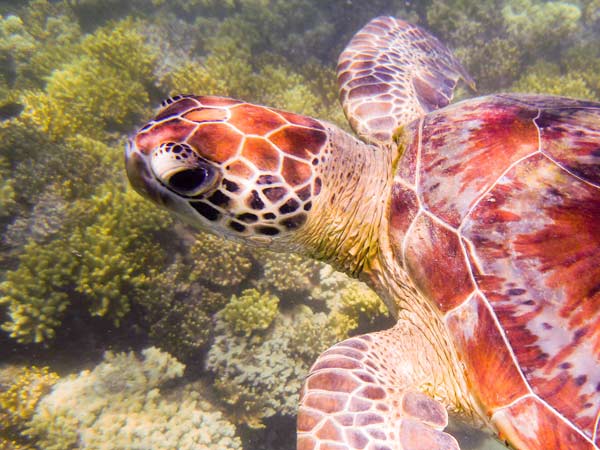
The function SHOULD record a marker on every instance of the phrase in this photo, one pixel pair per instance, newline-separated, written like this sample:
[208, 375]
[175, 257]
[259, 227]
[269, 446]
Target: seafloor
[122, 329]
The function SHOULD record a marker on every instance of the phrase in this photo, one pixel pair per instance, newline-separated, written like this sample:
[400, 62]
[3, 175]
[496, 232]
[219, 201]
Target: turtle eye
[181, 170]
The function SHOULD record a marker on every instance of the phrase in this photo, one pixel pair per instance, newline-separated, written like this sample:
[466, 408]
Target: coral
[354, 302]
[541, 25]
[261, 376]
[34, 43]
[20, 397]
[494, 65]
[584, 60]
[104, 89]
[287, 274]
[251, 311]
[122, 403]
[546, 78]
[101, 259]
[219, 262]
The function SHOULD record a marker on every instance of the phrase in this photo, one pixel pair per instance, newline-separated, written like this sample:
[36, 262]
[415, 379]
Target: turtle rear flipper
[361, 394]
[391, 73]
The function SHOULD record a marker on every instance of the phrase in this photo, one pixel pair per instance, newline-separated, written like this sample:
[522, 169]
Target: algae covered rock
[122, 403]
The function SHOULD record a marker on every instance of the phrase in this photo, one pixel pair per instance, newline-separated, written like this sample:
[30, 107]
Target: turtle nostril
[188, 180]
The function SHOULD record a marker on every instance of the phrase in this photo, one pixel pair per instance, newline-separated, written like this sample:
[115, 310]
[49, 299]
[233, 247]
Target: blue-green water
[88, 267]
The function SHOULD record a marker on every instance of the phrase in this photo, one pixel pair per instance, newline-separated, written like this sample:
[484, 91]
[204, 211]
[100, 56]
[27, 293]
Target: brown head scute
[234, 168]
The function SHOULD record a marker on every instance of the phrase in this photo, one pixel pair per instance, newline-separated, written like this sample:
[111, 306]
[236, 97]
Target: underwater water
[121, 328]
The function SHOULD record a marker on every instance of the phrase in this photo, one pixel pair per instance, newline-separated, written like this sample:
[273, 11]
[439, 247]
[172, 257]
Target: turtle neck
[344, 225]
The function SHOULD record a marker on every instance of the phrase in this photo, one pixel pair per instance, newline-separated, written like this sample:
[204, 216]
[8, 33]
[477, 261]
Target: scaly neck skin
[344, 225]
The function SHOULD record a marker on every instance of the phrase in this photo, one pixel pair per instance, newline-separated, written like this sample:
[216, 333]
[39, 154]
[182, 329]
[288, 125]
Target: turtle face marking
[233, 168]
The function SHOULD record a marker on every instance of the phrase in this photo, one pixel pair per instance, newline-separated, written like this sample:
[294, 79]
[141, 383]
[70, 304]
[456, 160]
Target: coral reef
[261, 375]
[21, 389]
[288, 275]
[75, 78]
[546, 78]
[250, 311]
[100, 90]
[101, 259]
[122, 403]
[219, 262]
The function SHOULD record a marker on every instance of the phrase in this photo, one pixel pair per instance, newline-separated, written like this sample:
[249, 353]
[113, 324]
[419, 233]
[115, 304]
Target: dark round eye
[188, 180]
[191, 181]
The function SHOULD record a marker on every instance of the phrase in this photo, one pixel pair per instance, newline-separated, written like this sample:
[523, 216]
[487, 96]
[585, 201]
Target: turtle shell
[495, 214]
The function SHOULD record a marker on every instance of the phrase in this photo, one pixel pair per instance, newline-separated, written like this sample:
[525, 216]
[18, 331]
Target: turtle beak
[140, 175]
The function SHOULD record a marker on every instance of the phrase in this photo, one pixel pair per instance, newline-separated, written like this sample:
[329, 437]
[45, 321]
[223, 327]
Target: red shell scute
[216, 141]
[299, 142]
[495, 378]
[532, 425]
[465, 148]
[253, 119]
[437, 264]
[174, 130]
[571, 137]
[541, 276]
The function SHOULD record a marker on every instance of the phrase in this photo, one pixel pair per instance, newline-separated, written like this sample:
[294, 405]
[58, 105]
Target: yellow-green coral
[537, 24]
[122, 403]
[101, 260]
[219, 262]
[19, 400]
[354, 302]
[261, 375]
[250, 311]
[287, 274]
[546, 78]
[99, 91]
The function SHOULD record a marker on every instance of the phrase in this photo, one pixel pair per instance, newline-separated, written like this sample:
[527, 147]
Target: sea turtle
[478, 223]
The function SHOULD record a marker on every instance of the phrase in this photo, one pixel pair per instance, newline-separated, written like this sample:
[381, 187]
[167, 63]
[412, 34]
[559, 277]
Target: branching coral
[219, 262]
[355, 301]
[261, 376]
[546, 78]
[541, 25]
[44, 36]
[20, 398]
[101, 259]
[251, 311]
[103, 89]
[288, 274]
[121, 404]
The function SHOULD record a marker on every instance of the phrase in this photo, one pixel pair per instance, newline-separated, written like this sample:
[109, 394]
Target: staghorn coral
[178, 311]
[100, 259]
[261, 376]
[249, 312]
[122, 403]
[354, 302]
[219, 262]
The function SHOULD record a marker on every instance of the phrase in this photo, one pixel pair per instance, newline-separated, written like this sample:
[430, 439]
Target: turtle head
[244, 171]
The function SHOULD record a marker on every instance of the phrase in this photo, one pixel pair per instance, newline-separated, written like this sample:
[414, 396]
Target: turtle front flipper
[363, 394]
[391, 73]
